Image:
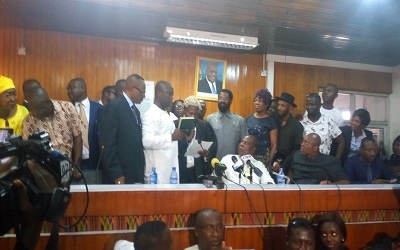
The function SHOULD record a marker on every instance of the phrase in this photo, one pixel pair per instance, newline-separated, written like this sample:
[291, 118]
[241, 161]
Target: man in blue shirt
[365, 168]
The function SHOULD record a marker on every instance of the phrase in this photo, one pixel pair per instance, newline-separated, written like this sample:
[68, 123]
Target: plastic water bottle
[153, 176]
[280, 179]
[173, 179]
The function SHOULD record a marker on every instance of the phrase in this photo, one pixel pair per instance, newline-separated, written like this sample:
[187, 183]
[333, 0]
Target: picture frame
[208, 70]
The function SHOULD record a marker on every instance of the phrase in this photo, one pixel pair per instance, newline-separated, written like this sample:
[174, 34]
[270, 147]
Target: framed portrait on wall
[210, 78]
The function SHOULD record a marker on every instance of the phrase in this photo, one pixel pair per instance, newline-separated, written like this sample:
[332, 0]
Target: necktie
[136, 113]
[369, 174]
[214, 91]
[84, 125]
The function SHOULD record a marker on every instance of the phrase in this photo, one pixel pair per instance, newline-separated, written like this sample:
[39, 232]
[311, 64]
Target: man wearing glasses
[121, 135]
[209, 231]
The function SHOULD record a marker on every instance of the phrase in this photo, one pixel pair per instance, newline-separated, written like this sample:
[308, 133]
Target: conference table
[255, 216]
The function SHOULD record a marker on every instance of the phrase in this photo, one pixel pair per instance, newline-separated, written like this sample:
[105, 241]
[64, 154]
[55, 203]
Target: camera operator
[29, 223]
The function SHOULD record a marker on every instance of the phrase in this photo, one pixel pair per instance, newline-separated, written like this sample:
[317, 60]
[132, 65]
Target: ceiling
[363, 31]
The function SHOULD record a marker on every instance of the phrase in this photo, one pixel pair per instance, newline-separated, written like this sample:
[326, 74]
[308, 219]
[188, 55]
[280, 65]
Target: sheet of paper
[196, 146]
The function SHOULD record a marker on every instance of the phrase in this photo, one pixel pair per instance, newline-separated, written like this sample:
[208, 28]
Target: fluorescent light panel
[197, 37]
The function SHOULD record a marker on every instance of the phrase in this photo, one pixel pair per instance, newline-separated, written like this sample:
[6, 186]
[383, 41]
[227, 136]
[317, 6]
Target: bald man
[27, 86]
[209, 230]
[60, 120]
[121, 135]
[119, 87]
[210, 84]
[309, 166]
[160, 137]
[247, 147]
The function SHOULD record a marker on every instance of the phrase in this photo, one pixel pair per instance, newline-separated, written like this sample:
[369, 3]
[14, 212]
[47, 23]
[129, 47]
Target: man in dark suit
[121, 135]
[210, 84]
[89, 112]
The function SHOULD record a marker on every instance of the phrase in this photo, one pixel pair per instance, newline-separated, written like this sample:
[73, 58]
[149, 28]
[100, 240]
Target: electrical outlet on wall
[264, 72]
[22, 51]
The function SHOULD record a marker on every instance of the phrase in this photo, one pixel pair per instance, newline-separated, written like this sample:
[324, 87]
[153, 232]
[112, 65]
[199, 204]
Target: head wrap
[6, 83]
[191, 101]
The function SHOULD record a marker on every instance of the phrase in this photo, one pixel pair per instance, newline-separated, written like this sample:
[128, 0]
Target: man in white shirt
[329, 94]
[149, 236]
[325, 127]
[246, 147]
[210, 231]
[160, 137]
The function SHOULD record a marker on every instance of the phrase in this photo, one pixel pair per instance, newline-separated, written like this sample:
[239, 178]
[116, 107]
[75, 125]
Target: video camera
[48, 205]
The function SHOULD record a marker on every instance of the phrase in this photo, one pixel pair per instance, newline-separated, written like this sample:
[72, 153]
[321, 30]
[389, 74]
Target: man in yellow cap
[11, 114]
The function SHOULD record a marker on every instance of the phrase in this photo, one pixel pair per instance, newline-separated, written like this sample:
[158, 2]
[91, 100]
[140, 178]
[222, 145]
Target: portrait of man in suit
[210, 78]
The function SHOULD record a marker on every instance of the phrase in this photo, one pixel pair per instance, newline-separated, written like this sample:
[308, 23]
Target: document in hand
[196, 146]
[186, 124]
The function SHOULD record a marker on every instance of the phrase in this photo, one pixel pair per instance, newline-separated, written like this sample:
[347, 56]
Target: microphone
[247, 159]
[237, 166]
[219, 168]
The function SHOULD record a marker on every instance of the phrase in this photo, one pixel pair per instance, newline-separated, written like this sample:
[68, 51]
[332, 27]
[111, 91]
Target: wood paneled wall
[368, 212]
[55, 58]
[300, 80]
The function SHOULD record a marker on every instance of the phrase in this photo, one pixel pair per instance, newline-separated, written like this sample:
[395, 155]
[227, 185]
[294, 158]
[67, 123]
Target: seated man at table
[209, 231]
[365, 168]
[241, 172]
[151, 235]
[300, 235]
[309, 166]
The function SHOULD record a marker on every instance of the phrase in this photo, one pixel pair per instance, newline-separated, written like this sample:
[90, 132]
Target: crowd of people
[325, 231]
[112, 135]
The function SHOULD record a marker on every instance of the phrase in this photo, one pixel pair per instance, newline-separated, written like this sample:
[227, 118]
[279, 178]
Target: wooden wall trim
[115, 215]
[329, 63]
[300, 80]
[54, 58]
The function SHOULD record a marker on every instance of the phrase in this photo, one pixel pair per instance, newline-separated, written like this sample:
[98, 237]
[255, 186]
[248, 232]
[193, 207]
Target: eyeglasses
[178, 106]
[143, 92]
[212, 229]
[305, 143]
[300, 222]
